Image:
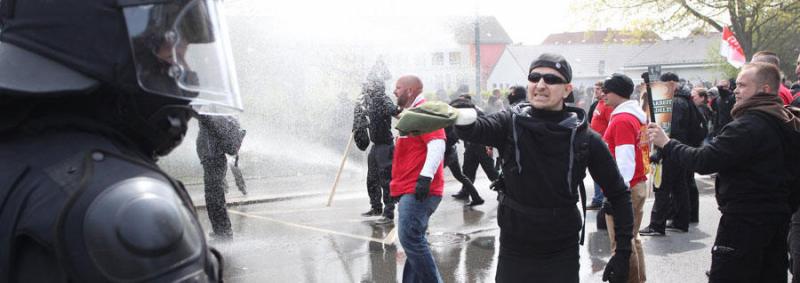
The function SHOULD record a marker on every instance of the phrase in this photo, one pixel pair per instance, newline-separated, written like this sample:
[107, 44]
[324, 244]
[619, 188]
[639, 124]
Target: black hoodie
[540, 172]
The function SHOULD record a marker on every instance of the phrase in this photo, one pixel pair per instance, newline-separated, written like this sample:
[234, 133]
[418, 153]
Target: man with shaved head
[418, 181]
[771, 58]
[756, 173]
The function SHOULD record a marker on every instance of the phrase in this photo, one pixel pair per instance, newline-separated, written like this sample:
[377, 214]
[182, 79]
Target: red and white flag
[730, 49]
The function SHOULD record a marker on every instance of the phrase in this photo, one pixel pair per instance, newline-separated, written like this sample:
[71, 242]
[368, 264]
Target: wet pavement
[301, 240]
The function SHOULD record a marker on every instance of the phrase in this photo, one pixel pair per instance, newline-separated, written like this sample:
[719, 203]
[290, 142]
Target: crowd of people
[538, 137]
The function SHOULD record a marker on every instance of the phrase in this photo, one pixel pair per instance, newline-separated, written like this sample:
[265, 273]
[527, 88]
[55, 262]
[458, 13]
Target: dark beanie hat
[553, 61]
[620, 84]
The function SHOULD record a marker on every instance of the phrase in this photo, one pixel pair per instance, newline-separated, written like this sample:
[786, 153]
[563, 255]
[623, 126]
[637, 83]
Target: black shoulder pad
[139, 230]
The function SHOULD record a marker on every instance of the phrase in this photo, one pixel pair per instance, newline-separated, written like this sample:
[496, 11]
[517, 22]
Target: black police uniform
[81, 199]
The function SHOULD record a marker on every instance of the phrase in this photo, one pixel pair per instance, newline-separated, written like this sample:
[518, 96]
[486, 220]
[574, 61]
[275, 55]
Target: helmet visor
[181, 49]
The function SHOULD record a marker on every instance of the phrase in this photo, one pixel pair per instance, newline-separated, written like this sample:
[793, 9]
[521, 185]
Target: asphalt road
[302, 240]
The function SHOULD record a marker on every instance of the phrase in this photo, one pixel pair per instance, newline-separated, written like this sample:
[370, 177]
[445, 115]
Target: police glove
[617, 267]
[423, 188]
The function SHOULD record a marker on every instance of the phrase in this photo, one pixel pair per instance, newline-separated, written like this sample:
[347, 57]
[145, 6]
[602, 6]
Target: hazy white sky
[526, 21]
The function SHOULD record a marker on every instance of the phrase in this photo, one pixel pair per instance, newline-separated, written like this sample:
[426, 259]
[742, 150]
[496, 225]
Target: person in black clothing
[379, 110]
[721, 107]
[87, 106]
[218, 136]
[546, 148]
[468, 190]
[752, 187]
[673, 198]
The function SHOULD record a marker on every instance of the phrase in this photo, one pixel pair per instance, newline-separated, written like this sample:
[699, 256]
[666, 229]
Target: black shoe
[373, 212]
[475, 202]
[594, 206]
[647, 231]
[461, 195]
[676, 229]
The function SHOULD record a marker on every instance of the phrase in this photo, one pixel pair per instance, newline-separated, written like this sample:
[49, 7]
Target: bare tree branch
[700, 16]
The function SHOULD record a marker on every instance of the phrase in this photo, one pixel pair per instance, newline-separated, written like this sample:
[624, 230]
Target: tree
[758, 24]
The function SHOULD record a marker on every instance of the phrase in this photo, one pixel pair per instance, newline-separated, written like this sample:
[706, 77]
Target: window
[455, 58]
[601, 67]
[438, 59]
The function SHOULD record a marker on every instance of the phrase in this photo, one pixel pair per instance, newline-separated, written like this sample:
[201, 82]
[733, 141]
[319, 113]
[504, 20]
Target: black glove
[617, 267]
[423, 188]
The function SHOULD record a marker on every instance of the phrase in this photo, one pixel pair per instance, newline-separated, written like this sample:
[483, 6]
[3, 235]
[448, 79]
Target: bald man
[417, 180]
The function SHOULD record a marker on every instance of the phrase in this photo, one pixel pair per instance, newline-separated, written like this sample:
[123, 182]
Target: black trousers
[750, 248]
[694, 199]
[379, 175]
[794, 246]
[214, 170]
[474, 155]
[455, 168]
[672, 198]
[560, 267]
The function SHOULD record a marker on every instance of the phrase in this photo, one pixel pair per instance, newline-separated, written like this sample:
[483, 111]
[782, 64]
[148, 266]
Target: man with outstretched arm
[546, 147]
[753, 186]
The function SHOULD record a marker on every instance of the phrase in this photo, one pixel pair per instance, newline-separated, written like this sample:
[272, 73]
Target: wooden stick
[341, 166]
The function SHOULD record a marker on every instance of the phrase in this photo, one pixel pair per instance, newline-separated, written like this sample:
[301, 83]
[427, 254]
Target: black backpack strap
[581, 148]
[582, 190]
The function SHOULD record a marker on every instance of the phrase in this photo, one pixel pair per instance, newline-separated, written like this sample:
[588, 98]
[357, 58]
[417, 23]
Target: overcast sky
[526, 21]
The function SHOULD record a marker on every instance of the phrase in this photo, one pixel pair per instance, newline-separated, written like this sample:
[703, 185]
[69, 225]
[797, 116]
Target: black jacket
[685, 119]
[748, 154]
[380, 110]
[536, 147]
[216, 134]
[722, 106]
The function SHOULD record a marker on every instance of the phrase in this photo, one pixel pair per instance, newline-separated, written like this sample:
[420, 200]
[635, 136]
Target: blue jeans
[413, 224]
[598, 195]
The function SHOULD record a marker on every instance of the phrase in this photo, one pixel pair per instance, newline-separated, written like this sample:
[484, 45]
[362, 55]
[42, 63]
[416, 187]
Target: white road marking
[385, 241]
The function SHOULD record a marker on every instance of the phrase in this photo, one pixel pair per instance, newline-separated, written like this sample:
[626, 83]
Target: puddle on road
[441, 239]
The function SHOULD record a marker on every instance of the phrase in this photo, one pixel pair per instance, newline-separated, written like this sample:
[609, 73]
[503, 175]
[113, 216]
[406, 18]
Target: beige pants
[636, 272]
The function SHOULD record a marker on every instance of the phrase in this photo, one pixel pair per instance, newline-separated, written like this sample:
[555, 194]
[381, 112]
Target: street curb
[268, 198]
[264, 199]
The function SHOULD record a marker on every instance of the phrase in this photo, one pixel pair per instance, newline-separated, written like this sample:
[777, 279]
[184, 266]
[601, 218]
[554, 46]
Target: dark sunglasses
[548, 78]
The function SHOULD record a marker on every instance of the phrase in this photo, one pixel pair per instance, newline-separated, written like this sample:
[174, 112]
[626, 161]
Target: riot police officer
[91, 94]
